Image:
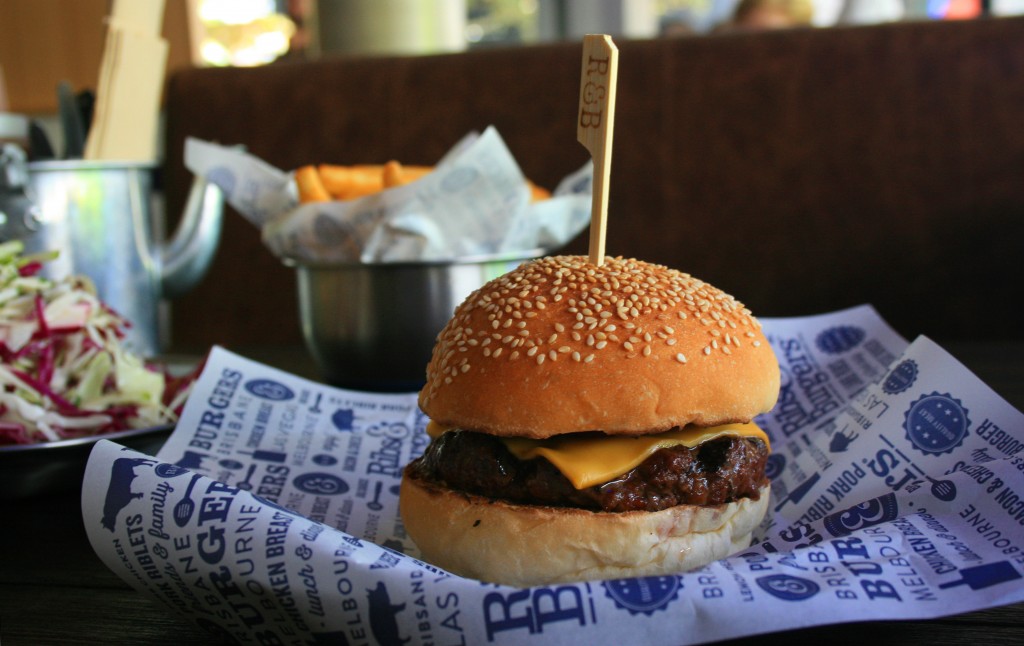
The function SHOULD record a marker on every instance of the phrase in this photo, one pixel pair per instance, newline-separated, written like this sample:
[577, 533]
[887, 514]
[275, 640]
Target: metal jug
[104, 221]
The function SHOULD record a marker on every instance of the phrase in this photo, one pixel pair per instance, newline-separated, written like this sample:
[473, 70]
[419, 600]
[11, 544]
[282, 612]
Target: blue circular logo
[936, 423]
[776, 463]
[839, 339]
[867, 514]
[644, 594]
[788, 587]
[322, 484]
[324, 460]
[165, 470]
[269, 389]
[900, 377]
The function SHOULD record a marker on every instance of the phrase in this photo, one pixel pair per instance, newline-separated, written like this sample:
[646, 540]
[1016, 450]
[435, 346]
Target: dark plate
[50, 467]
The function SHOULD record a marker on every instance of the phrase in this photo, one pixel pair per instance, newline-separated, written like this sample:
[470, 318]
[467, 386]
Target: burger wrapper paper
[271, 514]
[475, 202]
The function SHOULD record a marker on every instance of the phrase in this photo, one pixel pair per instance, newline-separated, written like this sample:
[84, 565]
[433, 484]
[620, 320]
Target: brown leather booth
[803, 171]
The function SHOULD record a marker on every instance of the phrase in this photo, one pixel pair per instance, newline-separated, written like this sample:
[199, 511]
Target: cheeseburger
[591, 422]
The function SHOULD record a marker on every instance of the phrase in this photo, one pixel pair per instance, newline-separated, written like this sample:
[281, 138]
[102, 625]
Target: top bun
[560, 345]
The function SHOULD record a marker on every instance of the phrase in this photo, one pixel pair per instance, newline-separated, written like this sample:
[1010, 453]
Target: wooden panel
[43, 42]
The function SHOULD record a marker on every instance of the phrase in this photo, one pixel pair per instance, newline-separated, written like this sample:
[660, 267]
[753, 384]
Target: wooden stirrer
[595, 126]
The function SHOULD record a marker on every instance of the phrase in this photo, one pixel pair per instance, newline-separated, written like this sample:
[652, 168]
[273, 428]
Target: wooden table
[55, 590]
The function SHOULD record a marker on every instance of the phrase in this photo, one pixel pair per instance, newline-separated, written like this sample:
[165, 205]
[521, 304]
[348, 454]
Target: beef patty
[716, 472]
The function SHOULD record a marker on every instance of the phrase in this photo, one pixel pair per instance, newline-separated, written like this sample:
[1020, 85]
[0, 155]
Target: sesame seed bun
[524, 545]
[560, 345]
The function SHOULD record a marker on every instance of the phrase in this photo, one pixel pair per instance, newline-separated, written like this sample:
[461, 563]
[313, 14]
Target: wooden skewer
[595, 126]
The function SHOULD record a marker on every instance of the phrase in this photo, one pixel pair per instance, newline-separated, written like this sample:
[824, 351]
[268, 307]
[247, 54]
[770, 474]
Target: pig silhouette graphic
[383, 624]
[119, 491]
[192, 460]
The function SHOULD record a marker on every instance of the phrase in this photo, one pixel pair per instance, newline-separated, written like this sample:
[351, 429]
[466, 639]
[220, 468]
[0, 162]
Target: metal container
[372, 326]
[104, 220]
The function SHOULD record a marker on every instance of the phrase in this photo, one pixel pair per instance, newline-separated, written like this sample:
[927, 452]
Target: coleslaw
[64, 372]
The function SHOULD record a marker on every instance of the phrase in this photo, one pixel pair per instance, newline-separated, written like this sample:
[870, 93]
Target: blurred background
[851, 129]
[44, 42]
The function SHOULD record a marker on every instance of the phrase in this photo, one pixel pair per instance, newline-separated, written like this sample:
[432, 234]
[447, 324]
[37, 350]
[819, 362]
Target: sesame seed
[707, 349]
[726, 349]
[670, 341]
[465, 367]
[497, 353]
[532, 351]
[757, 344]
[514, 355]
[540, 359]
[589, 358]
[559, 327]
[628, 346]
[600, 344]
[647, 350]
[575, 356]
[681, 358]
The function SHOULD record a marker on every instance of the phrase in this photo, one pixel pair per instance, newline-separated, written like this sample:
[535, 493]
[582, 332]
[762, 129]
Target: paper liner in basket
[475, 202]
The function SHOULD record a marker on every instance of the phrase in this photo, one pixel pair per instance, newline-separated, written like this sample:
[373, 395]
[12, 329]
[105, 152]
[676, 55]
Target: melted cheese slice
[589, 459]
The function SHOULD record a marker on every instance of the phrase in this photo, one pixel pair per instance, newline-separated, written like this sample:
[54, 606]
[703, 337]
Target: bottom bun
[523, 545]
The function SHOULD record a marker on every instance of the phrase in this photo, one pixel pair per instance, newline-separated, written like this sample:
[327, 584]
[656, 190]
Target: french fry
[311, 189]
[392, 174]
[351, 182]
[395, 174]
[537, 193]
[337, 182]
